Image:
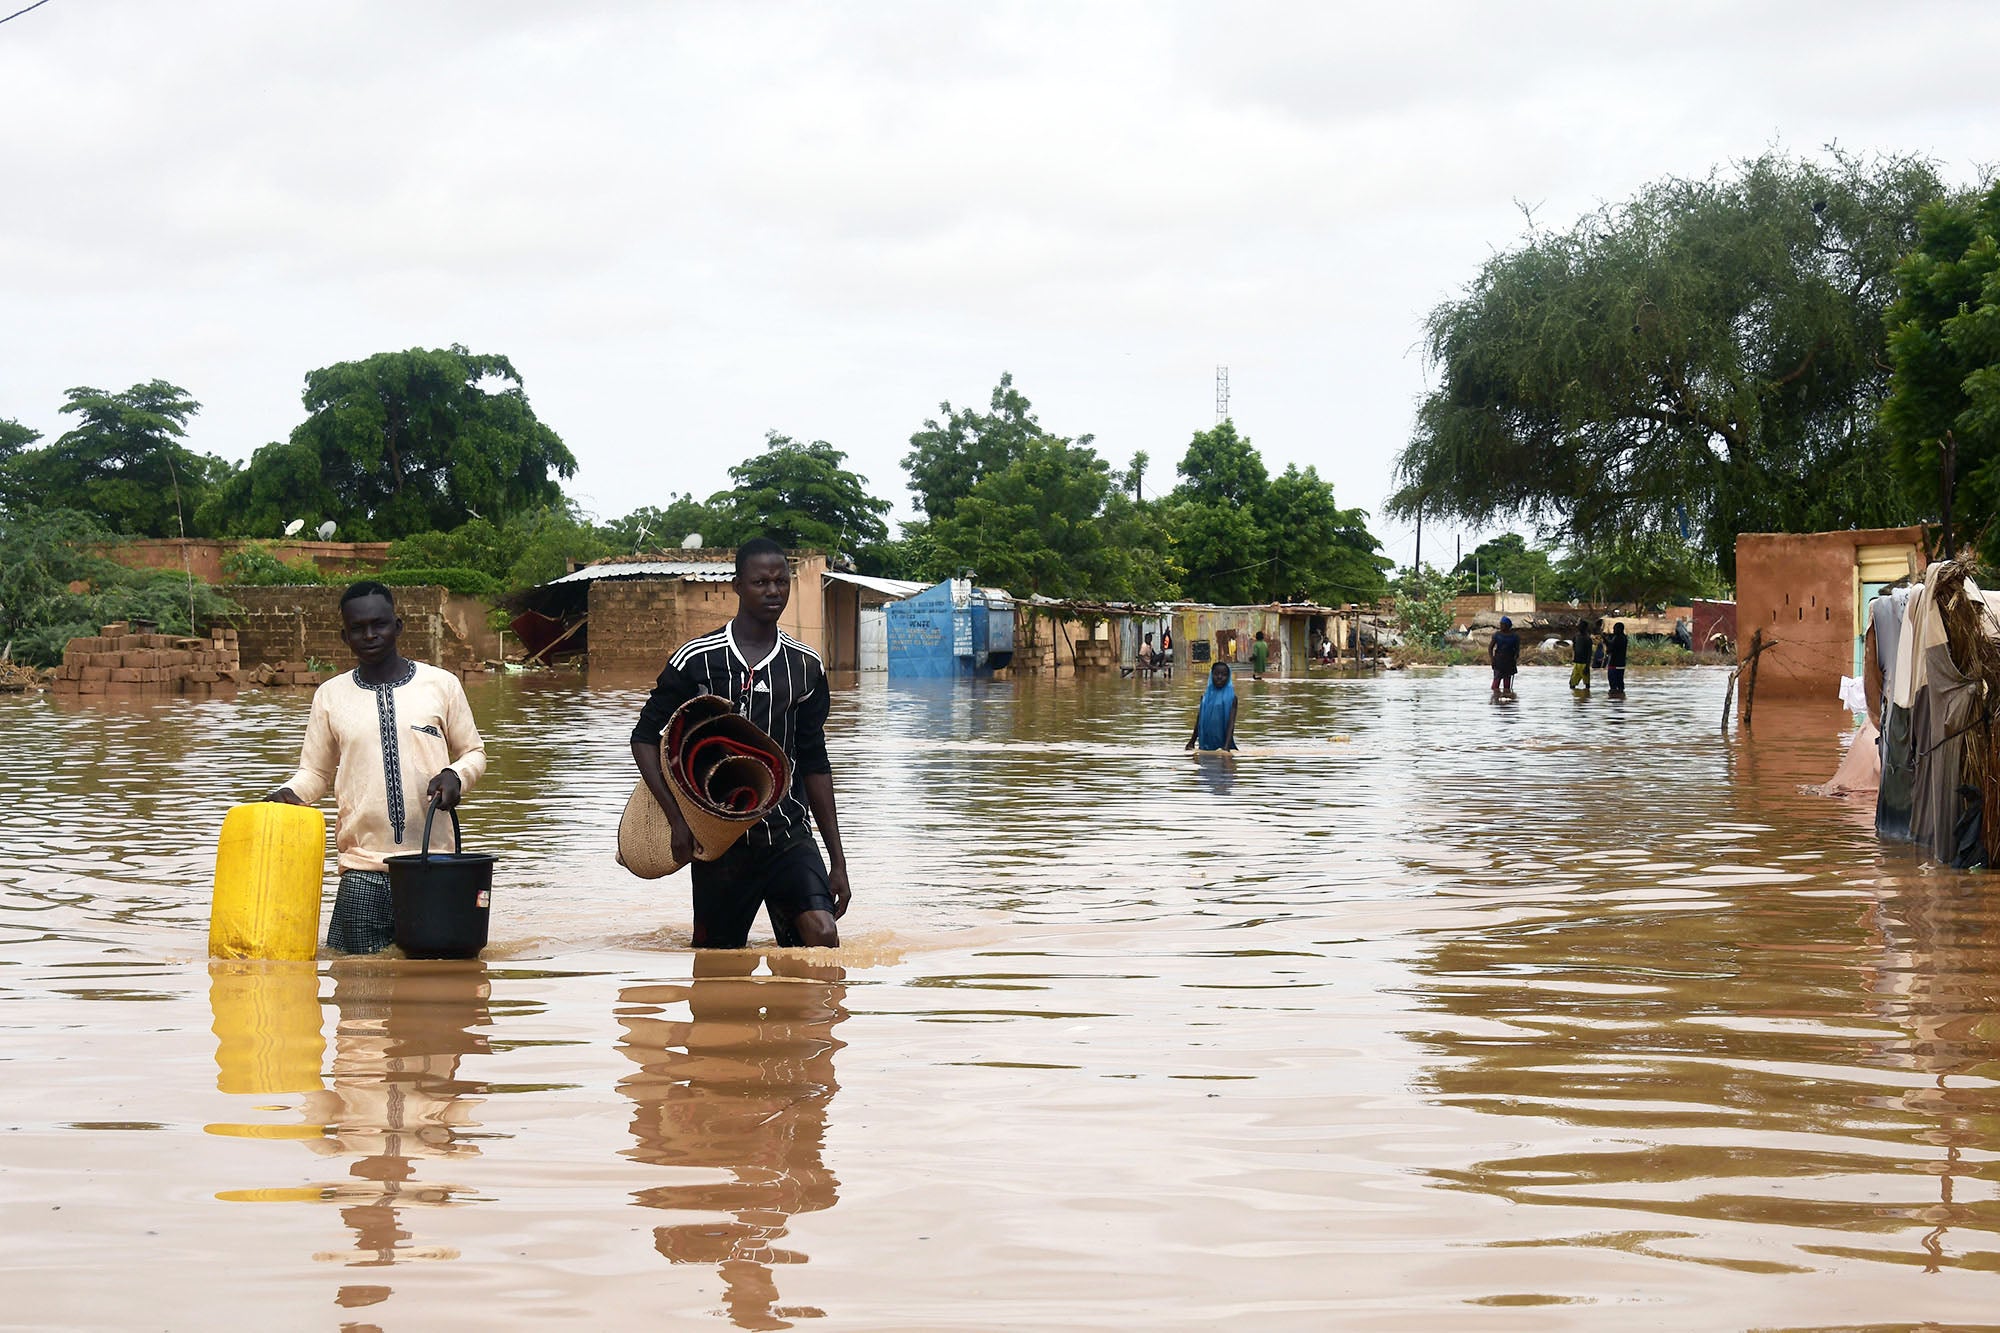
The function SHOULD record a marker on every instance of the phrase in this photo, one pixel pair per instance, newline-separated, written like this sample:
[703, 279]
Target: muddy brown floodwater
[1422, 1014]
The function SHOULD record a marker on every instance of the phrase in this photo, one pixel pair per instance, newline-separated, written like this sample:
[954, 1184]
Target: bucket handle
[457, 840]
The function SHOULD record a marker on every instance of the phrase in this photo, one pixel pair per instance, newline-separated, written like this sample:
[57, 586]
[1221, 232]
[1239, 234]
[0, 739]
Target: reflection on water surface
[1420, 1013]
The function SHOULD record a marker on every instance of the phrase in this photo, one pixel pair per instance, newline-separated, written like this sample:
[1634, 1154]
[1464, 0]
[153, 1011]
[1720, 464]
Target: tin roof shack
[857, 619]
[951, 629]
[1807, 593]
[1053, 633]
[1204, 635]
[634, 610]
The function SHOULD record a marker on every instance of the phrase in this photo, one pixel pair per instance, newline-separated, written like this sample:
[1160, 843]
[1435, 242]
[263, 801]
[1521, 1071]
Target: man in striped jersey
[779, 684]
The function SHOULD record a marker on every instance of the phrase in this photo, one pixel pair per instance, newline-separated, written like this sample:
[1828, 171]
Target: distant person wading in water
[1616, 647]
[1260, 656]
[1579, 644]
[1215, 723]
[1505, 655]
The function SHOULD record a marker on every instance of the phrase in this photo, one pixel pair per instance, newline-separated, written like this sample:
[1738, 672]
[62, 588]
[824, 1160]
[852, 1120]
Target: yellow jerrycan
[269, 864]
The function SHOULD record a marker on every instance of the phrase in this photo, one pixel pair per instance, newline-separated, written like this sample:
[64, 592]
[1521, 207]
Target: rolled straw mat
[724, 772]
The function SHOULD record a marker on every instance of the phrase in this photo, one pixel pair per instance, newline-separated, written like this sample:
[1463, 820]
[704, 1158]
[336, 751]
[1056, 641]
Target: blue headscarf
[1211, 724]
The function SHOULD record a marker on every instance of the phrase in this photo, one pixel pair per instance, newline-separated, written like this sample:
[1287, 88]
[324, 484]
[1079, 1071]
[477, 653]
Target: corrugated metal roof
[898, 588]
[695, 571]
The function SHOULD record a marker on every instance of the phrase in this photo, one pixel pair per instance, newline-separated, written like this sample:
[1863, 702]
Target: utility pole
[1418, 563]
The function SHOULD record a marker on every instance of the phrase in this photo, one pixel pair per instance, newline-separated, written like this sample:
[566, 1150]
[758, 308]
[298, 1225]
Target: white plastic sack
[1861, 769]
[1854, 694]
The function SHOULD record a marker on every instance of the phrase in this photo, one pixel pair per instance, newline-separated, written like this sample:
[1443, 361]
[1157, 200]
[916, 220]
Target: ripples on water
[1422, 1014]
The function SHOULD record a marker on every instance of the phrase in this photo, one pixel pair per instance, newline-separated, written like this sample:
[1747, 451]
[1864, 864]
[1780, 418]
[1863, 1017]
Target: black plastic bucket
[441, 900]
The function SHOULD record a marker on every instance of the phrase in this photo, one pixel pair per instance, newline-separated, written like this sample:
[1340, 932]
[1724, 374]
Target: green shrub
[258, 566]
[44, 554]
[1423, 599]
[458, 579]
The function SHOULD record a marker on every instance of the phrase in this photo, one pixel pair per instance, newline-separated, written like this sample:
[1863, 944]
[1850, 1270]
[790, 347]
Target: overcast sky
[691, 223]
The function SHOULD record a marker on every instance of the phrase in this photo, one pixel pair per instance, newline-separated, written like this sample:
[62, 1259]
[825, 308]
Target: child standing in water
[1215, 723]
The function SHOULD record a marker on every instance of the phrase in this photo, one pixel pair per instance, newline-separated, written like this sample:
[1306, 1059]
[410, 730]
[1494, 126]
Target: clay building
[632, 611]
[1808, 593]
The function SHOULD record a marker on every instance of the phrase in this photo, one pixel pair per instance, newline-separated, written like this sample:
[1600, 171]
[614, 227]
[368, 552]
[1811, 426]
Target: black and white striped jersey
[785, 694]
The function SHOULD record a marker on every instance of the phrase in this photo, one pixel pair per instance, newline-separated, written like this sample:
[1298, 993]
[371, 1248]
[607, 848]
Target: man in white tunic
[379, 735]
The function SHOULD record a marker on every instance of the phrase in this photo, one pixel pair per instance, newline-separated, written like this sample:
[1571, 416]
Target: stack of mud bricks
[117, 661]
[1096, 654]
[641, 620]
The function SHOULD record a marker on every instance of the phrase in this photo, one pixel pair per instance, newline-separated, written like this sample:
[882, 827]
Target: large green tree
[1246, 537]
[1506, 561]
[1944, 346]
[953, 451]
[800, 496]
[656, 528]
[1652, 569]
[1037, 525]
[1710, 347]
[1214, 517]
[123, 463]
[1320, 552]
[282, 484]
[14, 437]
[406, 442]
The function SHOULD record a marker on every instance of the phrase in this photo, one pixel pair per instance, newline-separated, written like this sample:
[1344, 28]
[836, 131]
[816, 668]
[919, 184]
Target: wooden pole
[1750, 689]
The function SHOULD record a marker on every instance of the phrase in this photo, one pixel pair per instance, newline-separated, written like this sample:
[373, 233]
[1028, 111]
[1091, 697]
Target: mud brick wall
[643, 620]
[204, 558]
[298, 624]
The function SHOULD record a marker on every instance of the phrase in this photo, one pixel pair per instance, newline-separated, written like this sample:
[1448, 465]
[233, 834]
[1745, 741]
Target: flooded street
[1422, 1014]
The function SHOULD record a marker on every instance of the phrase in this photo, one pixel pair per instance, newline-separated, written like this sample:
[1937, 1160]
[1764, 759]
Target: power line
[17, 13]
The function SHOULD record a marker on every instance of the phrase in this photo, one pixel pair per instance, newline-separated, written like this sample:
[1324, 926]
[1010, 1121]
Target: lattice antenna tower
[1222, 393]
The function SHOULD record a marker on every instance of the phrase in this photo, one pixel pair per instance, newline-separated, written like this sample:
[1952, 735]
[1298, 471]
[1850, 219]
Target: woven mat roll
[725, 774]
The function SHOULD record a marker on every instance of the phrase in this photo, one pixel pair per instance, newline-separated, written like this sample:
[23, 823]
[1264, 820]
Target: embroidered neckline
[392, 755]
[409, 674]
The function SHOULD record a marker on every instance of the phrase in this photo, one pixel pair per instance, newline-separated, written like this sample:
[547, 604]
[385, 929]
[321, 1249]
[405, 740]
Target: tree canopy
[1246, 537]
[122, 464]
[653, 528]
[403, 442]
[1708, 348]
[1944, 347]
[948, 457]
[1050, 523]
[800, 496]
[1506, 561]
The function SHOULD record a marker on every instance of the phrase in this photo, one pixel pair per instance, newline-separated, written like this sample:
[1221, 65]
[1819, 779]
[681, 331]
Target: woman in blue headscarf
[1215, 724]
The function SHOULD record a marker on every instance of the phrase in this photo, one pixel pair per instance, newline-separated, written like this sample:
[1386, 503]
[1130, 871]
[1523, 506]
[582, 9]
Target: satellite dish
[691, 542]
[326, 531]
[292, 528]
